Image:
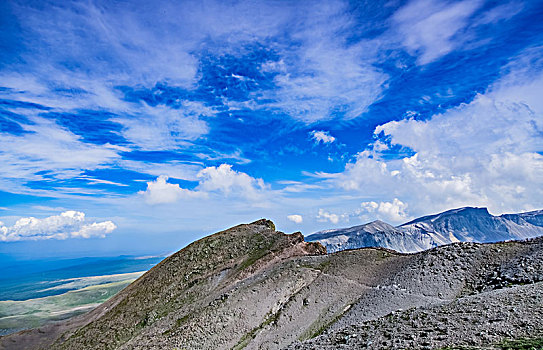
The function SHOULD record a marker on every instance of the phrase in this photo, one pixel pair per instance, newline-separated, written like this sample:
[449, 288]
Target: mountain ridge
[467, 224]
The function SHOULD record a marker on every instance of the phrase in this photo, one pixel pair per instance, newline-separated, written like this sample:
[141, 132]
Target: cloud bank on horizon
[195, 114]
[69, 224]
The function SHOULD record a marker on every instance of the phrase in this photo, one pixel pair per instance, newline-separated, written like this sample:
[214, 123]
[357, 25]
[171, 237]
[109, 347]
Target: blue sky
[137, 127]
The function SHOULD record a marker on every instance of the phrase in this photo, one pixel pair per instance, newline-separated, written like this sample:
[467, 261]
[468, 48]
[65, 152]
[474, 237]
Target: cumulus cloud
[69, 224]
[394, 211]
[324, 216]
[298, 219]
[484, 153]
[322, 136]
[221, 180]
[161, 192]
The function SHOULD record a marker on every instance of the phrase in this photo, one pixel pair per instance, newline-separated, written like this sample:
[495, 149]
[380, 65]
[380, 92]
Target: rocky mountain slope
[457, 225]
[374, 234]
[251, 287]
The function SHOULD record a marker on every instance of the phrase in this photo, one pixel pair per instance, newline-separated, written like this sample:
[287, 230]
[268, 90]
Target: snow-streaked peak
[467, 224]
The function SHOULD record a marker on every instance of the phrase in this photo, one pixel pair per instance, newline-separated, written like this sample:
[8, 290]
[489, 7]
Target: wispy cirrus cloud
[164, 128]
[499, 13]
[316, 74]
[47, 151]
[429, 28]
[315, 63]
[324, 77]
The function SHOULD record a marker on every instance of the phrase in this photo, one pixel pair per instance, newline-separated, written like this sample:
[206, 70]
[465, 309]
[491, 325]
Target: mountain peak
[482, 211]
[378, 225]
[478, 210]
[207, 267]
[377, 222]
[264, 222]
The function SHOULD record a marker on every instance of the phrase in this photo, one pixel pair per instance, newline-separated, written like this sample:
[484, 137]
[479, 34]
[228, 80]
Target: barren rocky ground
[483, 320]
[251, 287]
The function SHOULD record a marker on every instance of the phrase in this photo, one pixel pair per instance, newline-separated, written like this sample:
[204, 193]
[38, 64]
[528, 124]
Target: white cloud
[161, 192]
[224, 180]
[298, 219]
[298, 186]
[484, 153]
[324, 216]
[69, 224]
[322, 136]
[379, 146]
[174, 169]
[430, 28]
[500, 13]
[319, 75]
[48, 150]
[124, 47]
[369, 207]
[322, 76]
[394, 211]
[49, 145]
[163, 128]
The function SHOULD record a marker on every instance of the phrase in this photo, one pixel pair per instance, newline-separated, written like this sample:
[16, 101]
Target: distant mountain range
[457, 225]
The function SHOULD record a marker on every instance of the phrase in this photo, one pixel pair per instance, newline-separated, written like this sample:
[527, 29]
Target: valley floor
[86, 294]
